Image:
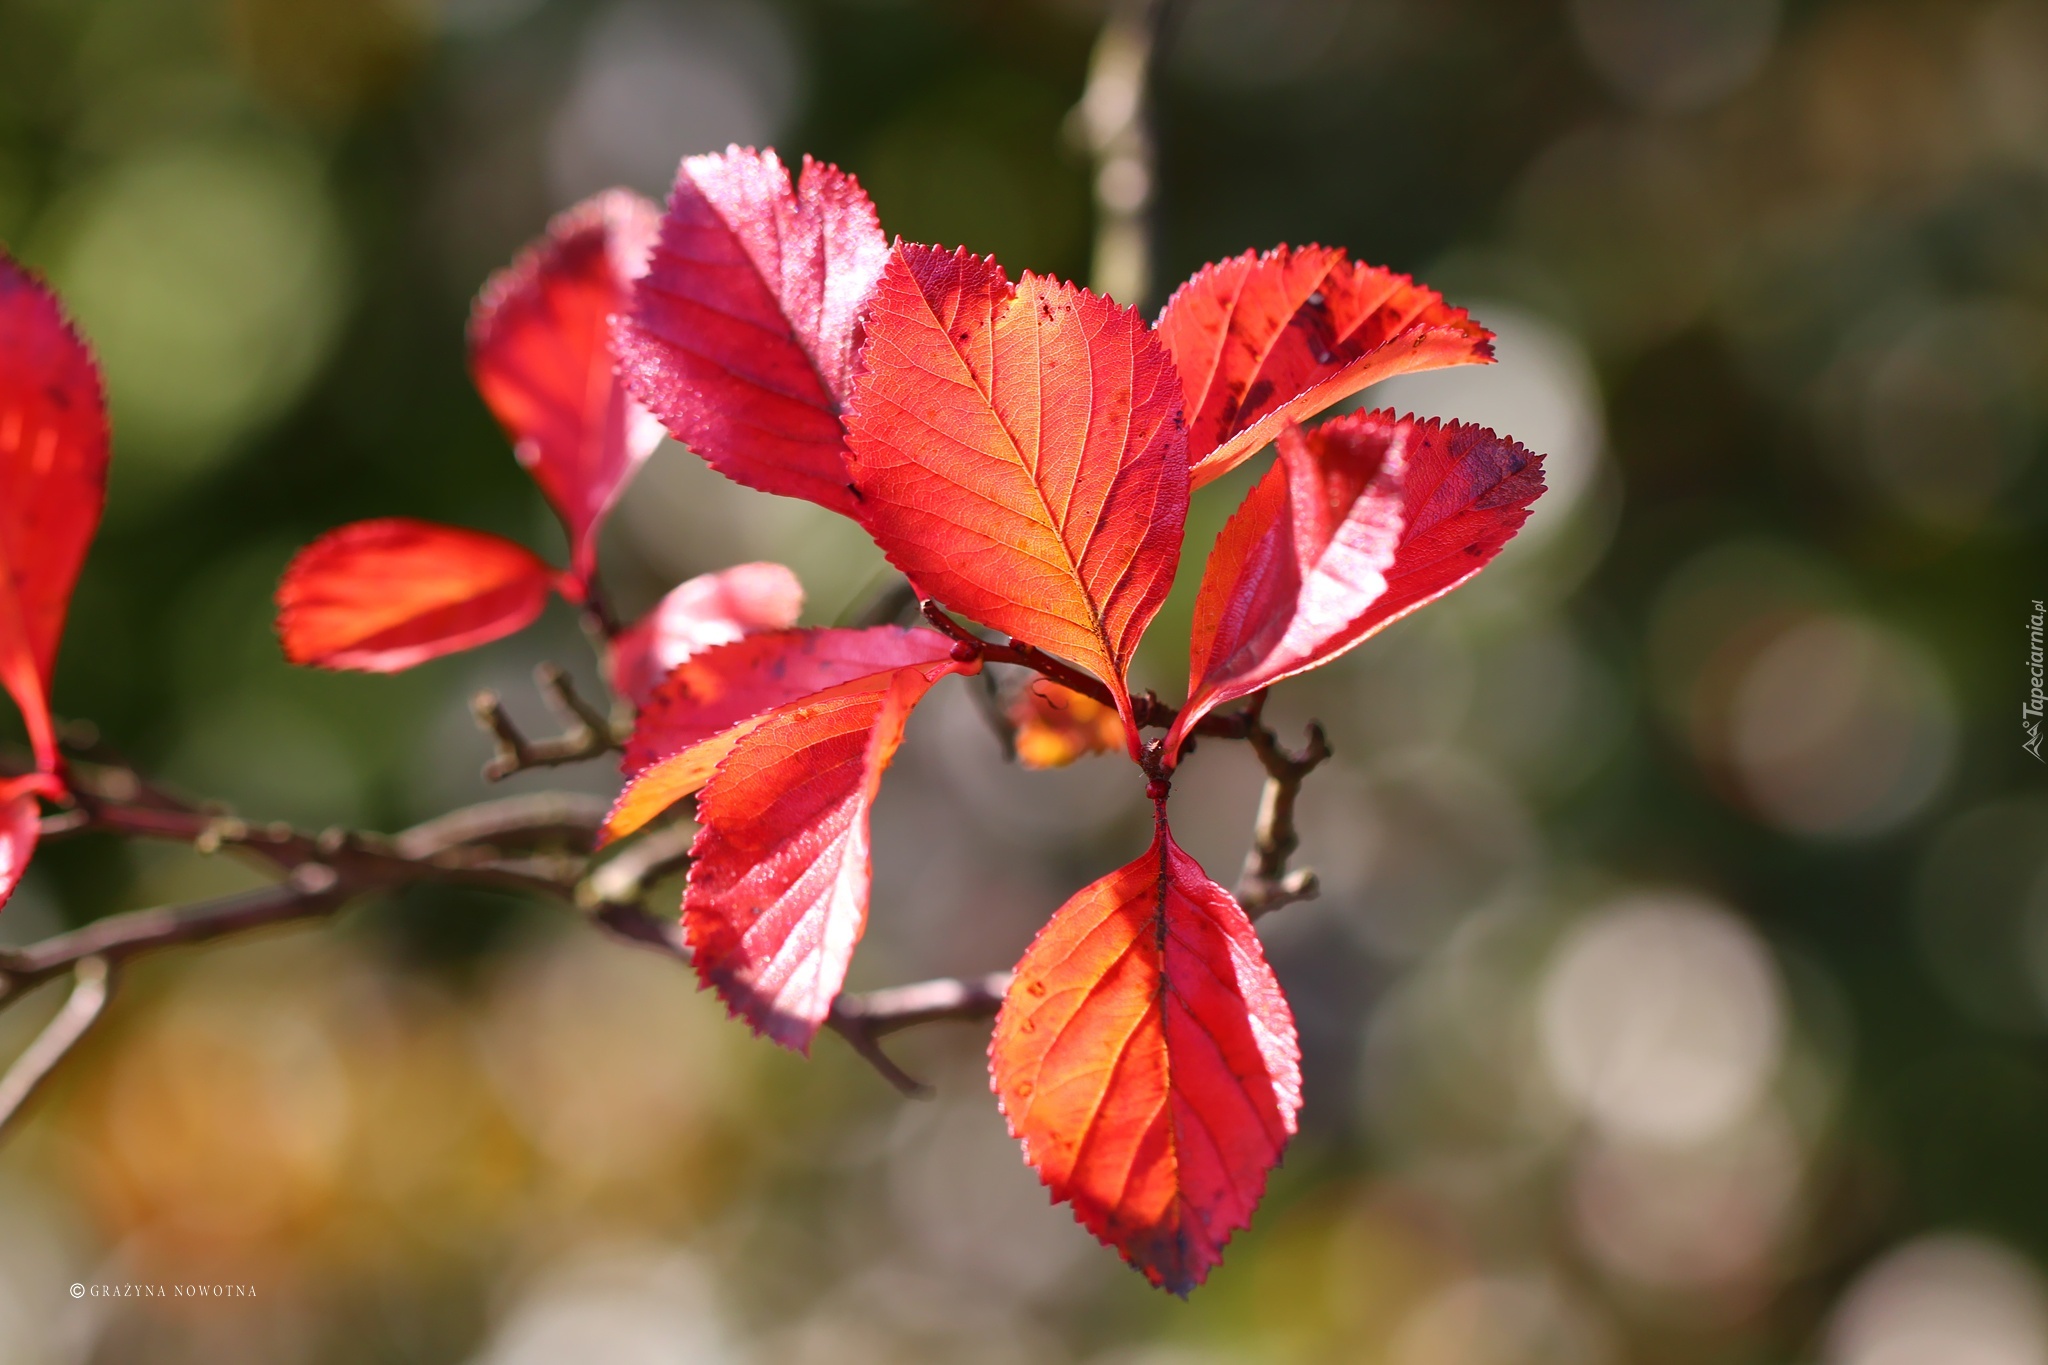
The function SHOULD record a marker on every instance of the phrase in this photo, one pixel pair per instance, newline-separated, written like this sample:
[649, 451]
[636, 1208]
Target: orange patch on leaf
[1056, 725]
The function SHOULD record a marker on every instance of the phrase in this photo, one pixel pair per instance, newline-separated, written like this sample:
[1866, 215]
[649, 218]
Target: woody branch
[541, 844]
[1266, 884]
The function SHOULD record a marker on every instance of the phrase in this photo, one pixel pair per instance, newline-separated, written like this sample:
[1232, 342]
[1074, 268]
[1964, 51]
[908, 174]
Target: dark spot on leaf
[1256, 397]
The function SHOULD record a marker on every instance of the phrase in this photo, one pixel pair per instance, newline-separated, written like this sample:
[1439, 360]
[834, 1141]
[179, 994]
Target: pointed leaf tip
[382, 596]
[1147, 1061]
[742, 335]
[1259, 339]
[540, 350]
[53, 470]
[20, 823]
[1019, 454]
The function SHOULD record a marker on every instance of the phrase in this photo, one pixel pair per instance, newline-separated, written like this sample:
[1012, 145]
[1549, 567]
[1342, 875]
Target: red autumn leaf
[1259, 339]
[381, 596]
[1147, 1060]
[540, 351]
[743, 332]
[540, 348]
[1056, 725]
[1359, 522]
[778, 890]
[20, 819]
[1019, 454]
[710, 609]
[53, 483]
[724, 685]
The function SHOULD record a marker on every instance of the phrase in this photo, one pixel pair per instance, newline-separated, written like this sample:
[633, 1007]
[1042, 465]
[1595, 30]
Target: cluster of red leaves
[1024, 452]
[53, 484]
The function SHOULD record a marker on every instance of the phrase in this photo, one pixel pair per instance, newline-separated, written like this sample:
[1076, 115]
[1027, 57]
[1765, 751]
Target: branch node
[1266, 884]
[559, 691]
[313, 879]
[588, 733]
[220, 832]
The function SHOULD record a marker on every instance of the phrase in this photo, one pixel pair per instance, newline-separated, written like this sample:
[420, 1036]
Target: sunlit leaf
[1056, 725]
[540, 349]
[20, 817]
[1019, 454]
[723, 685]
[384, 595]
[1259, 339]
[53, 481]
[778, 890]
[1359, 522]
[1147, 1060]
[743, 332]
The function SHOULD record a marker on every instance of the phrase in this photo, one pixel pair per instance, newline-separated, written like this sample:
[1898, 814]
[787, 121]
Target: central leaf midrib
[1095, 624]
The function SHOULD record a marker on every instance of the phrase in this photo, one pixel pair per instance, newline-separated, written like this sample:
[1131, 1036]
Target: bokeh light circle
[1662, 1018]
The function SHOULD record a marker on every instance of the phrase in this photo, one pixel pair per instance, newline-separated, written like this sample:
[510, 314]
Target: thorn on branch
[587, 730]
[1266, 884]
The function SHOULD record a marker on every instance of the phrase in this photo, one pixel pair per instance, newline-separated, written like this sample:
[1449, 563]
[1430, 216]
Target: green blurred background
[1679, 992]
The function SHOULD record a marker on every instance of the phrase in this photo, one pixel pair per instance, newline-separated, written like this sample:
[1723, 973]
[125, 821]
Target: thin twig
[588, 732]
[538, 817]
[1265, 884]
[631, 924]
[883, 1012]
[869, 1049]
[325, 872]
[599, 619]
[1151, 712]
[864, 1019]
[1114, 119]
[313, 889]
[92, 986]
